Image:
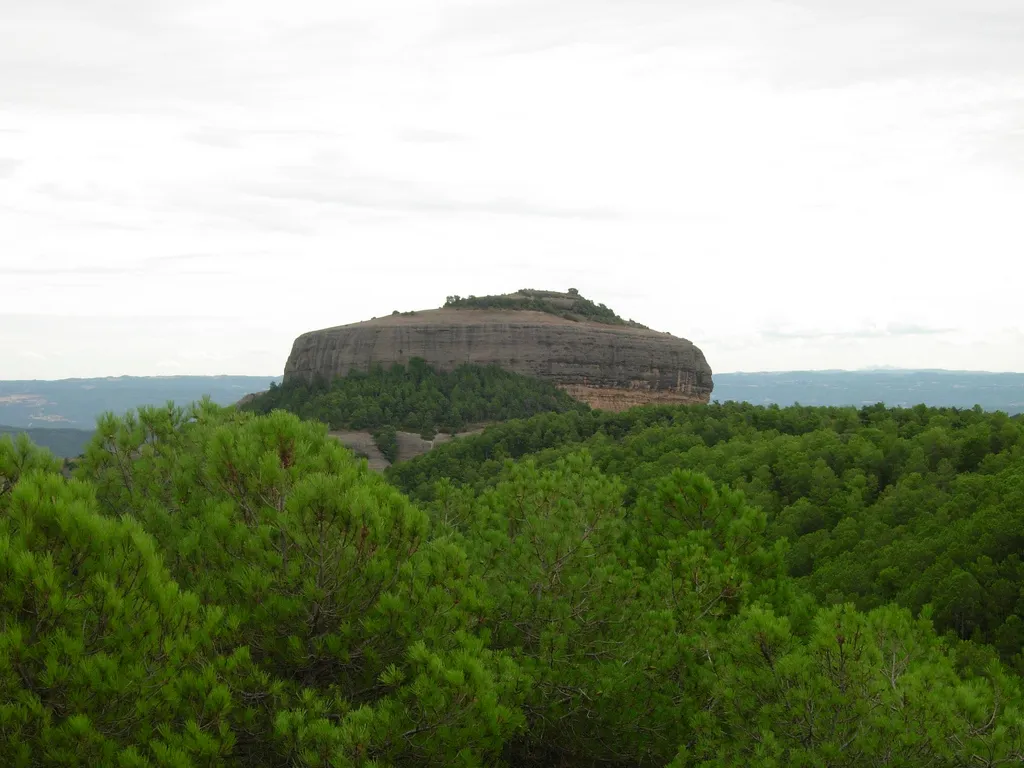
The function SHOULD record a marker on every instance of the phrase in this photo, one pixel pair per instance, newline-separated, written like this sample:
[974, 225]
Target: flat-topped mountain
[582, 347]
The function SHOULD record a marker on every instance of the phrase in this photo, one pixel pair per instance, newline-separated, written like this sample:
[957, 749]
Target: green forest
[416, 398]
[917, 507]
[722, 585]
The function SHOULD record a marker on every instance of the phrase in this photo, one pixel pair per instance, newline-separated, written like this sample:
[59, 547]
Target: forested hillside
[691, 586]
[416, 398]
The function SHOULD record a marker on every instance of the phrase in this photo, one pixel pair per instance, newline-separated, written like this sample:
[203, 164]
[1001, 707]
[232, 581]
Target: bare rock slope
[612, 366]
[410, 445]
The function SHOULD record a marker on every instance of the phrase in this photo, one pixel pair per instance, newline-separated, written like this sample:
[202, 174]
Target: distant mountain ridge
[62, 442]
[894, 387]
[77, 402]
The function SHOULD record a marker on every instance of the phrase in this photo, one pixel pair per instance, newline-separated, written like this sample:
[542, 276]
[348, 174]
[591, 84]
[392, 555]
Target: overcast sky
[186, 185]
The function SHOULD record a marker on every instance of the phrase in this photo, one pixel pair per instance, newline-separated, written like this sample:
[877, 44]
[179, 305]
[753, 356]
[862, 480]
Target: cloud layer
[791, 184]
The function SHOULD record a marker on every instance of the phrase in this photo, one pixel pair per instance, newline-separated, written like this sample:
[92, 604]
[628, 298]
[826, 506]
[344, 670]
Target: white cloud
[727, 171]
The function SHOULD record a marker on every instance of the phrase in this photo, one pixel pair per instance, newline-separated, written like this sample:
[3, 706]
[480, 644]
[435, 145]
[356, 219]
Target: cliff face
[613, 367]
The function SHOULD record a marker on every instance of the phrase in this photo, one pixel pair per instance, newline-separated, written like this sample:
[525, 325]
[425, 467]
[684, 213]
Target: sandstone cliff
[609, 366]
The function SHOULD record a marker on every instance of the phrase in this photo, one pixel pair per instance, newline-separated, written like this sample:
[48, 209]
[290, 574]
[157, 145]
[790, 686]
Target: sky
[187, 185]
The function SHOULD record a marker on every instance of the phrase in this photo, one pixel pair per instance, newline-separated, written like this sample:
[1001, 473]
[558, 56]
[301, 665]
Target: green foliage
[856, 690]
[918, 506]
[668, 632]
[688, 586]
[547, 548]
[101, 654]
[18, 457]
[356, 621]
[416, 398]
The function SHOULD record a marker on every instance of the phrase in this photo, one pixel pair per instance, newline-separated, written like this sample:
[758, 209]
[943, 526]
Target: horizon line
[271, 377]
[880, 369]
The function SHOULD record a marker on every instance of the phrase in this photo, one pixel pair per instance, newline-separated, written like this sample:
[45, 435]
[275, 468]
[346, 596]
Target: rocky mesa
[582, 347]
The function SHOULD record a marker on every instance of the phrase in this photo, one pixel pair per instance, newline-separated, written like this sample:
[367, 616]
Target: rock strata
[613, 367]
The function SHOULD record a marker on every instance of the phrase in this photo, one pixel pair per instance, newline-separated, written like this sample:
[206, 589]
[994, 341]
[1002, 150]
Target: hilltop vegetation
[416, 398]
[569, 305]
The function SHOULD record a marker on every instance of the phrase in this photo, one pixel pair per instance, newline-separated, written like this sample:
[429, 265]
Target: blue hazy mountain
[64, 442]
[894, 387]
[77, 402]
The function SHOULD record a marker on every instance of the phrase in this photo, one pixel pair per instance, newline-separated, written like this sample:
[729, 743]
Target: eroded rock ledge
[612, 367]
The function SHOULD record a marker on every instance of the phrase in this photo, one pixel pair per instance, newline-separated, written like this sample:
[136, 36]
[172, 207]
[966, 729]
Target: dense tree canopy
[914, 506]
[706, 586]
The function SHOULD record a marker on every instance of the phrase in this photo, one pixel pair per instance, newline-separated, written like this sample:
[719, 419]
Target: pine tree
[357, 619]
[99, 648]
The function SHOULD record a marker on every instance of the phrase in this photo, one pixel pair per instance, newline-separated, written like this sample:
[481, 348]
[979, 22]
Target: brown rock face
[613, 367]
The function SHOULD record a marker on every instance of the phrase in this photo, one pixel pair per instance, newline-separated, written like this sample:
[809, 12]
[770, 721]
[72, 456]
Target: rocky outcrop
[246, 399]
[609, 366]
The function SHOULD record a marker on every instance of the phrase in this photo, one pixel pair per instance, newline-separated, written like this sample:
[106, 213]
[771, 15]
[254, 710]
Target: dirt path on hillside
[410, 445]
